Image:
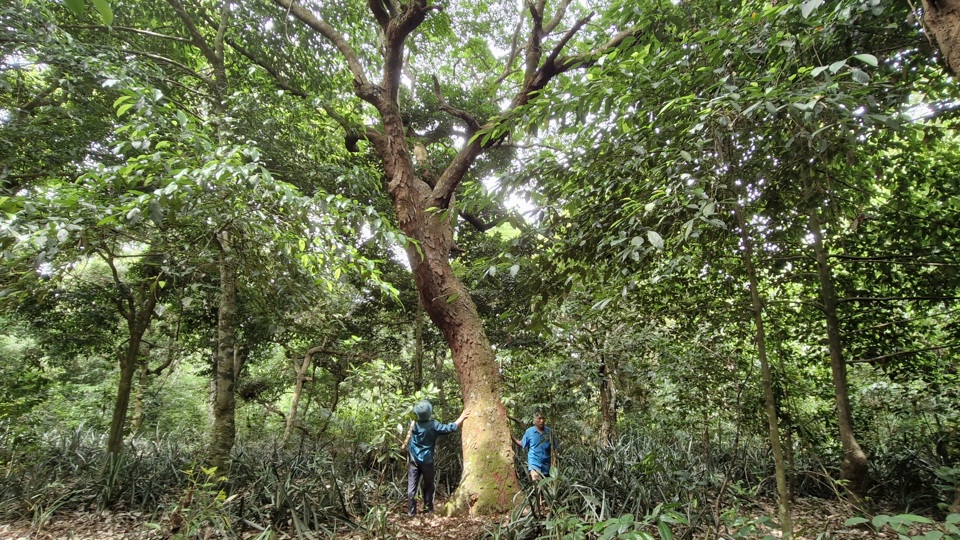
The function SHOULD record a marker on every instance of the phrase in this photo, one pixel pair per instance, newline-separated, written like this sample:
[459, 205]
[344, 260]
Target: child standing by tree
[420, 442]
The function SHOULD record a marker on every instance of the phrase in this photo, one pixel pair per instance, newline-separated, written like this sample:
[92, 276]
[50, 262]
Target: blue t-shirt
[423, 437]
[539, 447]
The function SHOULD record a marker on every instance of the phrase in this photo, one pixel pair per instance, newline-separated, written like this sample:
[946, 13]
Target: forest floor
[814, 519]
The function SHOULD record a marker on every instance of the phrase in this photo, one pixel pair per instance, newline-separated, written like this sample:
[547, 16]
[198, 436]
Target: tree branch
[553, 66]
[174, 63]
[197, 37]
[902, 353]
[362, 85]
[590, 58]
[473, 125]
[557, 17]
[127, 29]
[396, 33]
[895, 298]
[514, 49]
[483, 226]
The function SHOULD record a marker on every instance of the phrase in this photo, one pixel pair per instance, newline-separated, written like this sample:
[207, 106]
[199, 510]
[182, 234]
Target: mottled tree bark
[224, 401]
[941, 18]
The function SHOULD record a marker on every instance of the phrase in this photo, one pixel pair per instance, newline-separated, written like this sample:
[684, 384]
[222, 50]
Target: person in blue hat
[541, 447]
[420, 443]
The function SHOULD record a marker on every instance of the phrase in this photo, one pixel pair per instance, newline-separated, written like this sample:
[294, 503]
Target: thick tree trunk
[854, 466]
[773, 423]
[224, 400]
[489, 479]
[942, 20]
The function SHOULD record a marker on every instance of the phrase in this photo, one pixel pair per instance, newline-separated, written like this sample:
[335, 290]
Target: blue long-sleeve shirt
[423, 438]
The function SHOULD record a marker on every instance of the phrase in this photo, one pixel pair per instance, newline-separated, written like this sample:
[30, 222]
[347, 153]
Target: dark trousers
[416, 472]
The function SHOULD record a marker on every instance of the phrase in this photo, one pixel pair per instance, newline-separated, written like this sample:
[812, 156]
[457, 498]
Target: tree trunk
[138, 315]
[489, 479]
[418, 353]
[140, 398]
[301, 376]
[128, 367]
[773, 423]
[854, 466]
[224, 400]
[941, 18]
[608, 403]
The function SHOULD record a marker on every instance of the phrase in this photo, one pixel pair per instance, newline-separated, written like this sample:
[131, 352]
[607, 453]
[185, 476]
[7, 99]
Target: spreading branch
[554, 65]
[197, 38]
[896, 298]
[473, 125]
[902, 353]
[127, 29]
[188, 70]
[364, 89]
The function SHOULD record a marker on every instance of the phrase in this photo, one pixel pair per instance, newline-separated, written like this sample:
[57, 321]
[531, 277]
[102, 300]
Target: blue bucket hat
[423, 410]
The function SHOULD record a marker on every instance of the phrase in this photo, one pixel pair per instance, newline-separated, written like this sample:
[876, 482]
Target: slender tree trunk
[128, 367]
[418, 353]
[942, 20]
[608, 403]
[773, 426]
[301, 376]
[224, 400]
[138, 315]
[854, 466]
[140, 397]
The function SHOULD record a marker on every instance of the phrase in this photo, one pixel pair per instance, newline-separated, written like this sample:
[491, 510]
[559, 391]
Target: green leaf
[106, 13]
[809, 6]
[867, 59]
[123, 108]
[856, 521]
[665, 532]
[655, 239]
[75, 6]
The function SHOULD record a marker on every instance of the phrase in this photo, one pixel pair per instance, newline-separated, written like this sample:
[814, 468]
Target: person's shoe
[411, 513]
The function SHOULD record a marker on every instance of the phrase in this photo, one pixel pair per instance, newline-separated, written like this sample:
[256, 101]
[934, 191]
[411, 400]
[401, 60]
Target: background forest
[716, 242]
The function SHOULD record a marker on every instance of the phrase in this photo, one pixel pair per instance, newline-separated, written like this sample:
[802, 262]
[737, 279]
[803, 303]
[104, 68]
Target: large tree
[424, 197]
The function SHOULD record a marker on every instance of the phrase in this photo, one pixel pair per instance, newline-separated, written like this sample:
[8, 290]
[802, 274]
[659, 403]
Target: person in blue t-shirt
[541, 447]
[420, 442]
